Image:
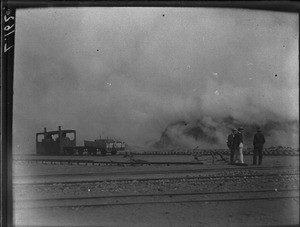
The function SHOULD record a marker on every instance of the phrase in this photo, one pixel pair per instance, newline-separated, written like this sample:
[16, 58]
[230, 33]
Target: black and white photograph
[154, 116]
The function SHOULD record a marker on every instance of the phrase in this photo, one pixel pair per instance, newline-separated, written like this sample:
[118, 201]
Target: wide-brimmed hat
[234, 129]
[240, 129]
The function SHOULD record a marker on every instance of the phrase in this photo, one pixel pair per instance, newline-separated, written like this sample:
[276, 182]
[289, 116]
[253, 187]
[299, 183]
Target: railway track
[141, 172]
[134, 162]
[101, 163]
[218, 151]
[129, 199]
[126, 187]
[133, 158]
[215, 152]
[202, 169]
[142, 176]
[153, 185]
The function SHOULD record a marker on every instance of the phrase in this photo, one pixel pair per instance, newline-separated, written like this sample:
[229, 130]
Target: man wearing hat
[238, 146]
[230, 139]
[258, 143]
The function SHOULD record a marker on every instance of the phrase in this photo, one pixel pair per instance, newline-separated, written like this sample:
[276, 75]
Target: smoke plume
[147, 75]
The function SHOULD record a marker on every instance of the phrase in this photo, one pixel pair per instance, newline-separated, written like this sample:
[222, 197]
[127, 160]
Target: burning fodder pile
[209, 133]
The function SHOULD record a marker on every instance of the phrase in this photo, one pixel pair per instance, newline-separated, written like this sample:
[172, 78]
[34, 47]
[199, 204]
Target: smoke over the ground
[135, 73]
[212, 133]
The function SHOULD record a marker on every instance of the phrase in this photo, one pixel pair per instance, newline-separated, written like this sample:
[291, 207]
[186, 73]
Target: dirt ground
[254, 213]
[273, 212]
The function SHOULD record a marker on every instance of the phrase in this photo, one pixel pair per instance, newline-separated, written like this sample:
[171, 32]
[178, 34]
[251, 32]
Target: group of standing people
[235, 143]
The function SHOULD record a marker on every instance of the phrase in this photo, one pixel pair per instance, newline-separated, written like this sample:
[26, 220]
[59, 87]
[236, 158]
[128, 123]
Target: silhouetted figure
[64, 136]
[230, 139]
[258, 143]
[48, 138]
[113, 150]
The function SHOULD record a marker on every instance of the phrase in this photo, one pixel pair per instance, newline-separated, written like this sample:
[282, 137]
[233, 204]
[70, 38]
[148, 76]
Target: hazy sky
[129, 73]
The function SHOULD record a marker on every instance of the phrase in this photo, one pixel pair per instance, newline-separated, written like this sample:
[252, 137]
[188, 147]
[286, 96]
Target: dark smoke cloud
[133, 74]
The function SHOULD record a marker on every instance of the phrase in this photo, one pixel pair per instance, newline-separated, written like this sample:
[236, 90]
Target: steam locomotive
[63, 142]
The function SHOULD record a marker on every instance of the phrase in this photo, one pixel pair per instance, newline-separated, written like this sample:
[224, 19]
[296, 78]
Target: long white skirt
[239, 157]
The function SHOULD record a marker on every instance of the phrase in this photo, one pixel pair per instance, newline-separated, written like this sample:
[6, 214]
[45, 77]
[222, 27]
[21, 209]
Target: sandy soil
[253, 213]
[277, 212]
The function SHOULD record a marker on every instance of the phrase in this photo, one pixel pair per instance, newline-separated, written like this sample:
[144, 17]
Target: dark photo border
[8, 13]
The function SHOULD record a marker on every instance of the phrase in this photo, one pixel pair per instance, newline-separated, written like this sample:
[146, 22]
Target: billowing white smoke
[213, 134]
[132, 73]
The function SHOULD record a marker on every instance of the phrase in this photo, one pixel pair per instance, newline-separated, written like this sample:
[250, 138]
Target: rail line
[130, 199]
[221, 151]
[135, 172]
[214, 153]
[100, 163]
[129, 179]
[132, 162]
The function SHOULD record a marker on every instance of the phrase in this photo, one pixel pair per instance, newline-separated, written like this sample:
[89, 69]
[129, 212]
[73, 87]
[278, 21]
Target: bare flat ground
[254, 213]
[196, 212]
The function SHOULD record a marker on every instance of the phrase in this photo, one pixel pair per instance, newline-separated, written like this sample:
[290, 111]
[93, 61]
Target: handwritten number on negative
[9, 18]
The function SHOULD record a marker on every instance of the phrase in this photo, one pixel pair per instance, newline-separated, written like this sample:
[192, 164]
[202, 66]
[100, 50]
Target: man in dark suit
[258, 143]
[230, 139]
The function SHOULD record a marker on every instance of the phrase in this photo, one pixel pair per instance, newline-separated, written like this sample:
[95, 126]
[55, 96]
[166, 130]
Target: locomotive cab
[53, 142]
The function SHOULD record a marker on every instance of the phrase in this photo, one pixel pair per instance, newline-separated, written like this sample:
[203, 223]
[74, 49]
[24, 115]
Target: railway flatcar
[104, 146]
[63, 142]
